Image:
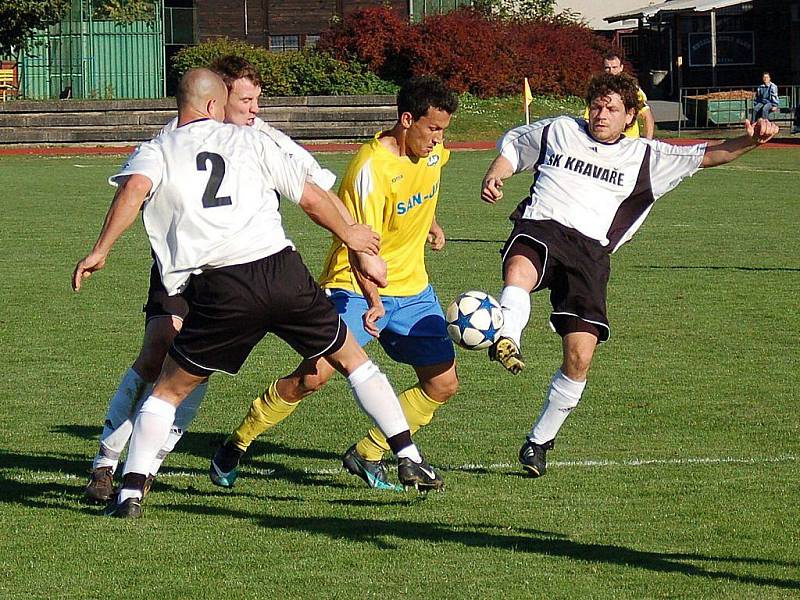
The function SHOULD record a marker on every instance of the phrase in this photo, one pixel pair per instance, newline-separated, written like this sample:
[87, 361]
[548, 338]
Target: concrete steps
[307, 119]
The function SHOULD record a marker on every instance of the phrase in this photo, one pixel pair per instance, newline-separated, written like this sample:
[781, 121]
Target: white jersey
[214, 200]
[605, 191]
[319, 175]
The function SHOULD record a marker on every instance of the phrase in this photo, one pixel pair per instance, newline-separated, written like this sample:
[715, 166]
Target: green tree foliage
[124, 11]
[20, 18]
[306, 73]
[517, 9]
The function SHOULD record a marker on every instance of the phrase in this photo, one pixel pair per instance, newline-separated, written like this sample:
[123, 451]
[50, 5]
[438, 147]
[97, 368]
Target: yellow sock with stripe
[418, 408]
[265, 412]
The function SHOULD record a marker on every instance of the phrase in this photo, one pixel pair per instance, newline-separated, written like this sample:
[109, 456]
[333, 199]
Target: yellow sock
[265, 412]
[418, 408]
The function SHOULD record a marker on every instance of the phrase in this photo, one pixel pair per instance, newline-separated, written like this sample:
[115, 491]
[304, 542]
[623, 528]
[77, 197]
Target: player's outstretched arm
[756, 134]
[317, 204]
[121, 214]
[492, 186]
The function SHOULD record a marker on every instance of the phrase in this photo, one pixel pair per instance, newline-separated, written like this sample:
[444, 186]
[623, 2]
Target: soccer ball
[474, 320]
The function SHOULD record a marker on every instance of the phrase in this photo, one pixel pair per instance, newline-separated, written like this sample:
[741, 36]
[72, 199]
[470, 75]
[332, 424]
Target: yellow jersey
[633, 130]
[397, 197]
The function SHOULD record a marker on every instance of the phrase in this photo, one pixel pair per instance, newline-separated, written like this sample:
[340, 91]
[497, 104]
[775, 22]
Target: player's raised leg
[521, 269]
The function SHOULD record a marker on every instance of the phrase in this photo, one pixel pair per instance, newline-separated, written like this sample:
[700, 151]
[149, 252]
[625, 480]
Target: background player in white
[592, 189]
[164, 314]
[218, 239]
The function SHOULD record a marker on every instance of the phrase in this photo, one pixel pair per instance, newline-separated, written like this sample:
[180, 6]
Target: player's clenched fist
[762, 130]
[491, 190]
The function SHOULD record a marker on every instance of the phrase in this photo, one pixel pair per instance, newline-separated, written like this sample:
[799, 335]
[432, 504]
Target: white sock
[375, 396]
[184, 415]
[150, 432]
[411, 452]
[118, 425]
[562, 396]
[516, 305]
[125, 493]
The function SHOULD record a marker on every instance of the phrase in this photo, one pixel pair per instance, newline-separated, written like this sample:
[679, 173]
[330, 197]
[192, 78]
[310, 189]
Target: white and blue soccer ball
[474, 320]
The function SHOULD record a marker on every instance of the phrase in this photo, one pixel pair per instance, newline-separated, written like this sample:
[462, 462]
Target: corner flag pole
[528, 99]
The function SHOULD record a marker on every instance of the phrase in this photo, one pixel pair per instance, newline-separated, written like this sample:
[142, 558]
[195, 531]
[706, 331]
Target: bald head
[201, 93]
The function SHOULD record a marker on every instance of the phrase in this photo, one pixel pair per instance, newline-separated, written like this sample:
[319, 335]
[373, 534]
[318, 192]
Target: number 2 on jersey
[210, 199]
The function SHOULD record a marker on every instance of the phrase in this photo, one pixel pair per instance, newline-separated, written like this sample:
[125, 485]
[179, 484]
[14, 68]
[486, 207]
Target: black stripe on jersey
[634, 206]
[520, 210]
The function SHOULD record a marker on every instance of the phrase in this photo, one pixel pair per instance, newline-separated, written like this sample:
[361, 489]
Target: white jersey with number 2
[214, 200]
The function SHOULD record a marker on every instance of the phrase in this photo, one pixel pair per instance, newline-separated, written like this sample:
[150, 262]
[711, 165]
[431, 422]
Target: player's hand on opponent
[84, 269]
[492, 189]
[371, 267]
[371, 317]
[361, 238]
[436, 236]
[761, 131]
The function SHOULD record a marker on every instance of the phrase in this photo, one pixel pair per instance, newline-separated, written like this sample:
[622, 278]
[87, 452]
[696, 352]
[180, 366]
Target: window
[311, 41]
[178, 26]
[283, 43]
[630, 45]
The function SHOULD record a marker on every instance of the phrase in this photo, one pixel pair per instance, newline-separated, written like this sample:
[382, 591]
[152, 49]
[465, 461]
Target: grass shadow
[382, 533]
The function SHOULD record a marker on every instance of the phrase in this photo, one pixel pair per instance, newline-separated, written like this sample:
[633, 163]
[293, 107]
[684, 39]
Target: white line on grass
[637, 462]
[44, 476]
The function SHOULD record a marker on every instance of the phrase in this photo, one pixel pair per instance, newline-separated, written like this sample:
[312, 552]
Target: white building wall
[593, 12]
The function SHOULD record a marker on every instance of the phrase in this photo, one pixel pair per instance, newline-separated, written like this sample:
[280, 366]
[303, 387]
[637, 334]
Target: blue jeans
[761, 110]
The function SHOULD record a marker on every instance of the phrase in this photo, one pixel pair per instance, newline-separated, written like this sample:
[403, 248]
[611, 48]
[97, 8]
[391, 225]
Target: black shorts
[161, 304]
[575, 269]
[232, 308]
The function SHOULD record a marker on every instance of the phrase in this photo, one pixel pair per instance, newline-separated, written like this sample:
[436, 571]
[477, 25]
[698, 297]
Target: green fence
[423, 8]
[84, 58]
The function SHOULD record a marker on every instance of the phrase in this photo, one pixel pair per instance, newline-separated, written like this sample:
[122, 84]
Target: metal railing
[729, 106]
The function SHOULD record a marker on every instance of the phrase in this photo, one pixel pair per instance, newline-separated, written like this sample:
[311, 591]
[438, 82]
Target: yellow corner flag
[528, 100]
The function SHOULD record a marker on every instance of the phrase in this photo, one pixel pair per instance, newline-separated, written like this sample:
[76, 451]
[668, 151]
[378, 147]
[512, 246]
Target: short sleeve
[316, 173]
[670, 164]
[169, 127]
[445, 153]
[287, 175]
[146, 160]
[365, 195]
[521, 146]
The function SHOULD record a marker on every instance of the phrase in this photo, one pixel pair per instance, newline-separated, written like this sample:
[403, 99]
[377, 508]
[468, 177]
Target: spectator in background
[796, 125]
[766, 100]
[612, 64]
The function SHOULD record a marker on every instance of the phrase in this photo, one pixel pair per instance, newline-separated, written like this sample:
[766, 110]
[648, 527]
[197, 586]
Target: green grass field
[677, 477]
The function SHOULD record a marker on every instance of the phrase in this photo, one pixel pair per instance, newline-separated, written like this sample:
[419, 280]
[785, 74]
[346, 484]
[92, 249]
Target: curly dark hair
[623, 84]
[421, 93]
[231, 68]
